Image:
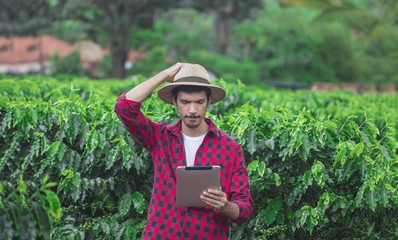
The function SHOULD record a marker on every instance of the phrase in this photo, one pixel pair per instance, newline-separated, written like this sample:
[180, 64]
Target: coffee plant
[321, 165]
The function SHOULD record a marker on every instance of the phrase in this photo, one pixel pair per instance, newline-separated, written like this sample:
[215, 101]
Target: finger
[217, 201]
[212, 196]
[212, 202]
[217, 194]
[175, 68]
[218, 206]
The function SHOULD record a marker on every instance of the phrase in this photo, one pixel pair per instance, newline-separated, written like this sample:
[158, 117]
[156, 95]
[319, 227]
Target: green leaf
[306, 145]
[261, 168]
[388, 187]
[360, 193]
[371, 200]
[270, 144]
[383, 196]
[130, 232]
[330, 124]
[61, 152]
[369, 160]
[139, 202]
[373, 128]
[33, 114]
[252, 166]
[54, 202]
[105, 227]
[341, 154]
[272, 210]
[317, 170]
[54, 146]
[45, 145]
[17, 115]
[283, 139]
[125, 204]
[326, 198]
[358, 149]
[68, 173]
[277, 180]
[310, 223]
[314, 216]
[120, 233]
[22, 186]
[43, 221]
[76, 179]
[365, 138]
[50, 185]
[92, 140]
[304, 217]
[308, 178]
[45, 179]
[252, 141]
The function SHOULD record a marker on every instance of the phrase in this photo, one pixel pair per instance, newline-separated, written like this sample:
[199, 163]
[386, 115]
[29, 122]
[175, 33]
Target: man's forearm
[142, 91]
[231, 211]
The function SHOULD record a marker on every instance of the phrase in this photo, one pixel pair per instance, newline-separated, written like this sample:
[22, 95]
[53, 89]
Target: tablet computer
[193, 181]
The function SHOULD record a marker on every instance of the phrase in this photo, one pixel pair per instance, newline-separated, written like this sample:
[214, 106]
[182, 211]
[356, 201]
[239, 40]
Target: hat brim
[165, 93]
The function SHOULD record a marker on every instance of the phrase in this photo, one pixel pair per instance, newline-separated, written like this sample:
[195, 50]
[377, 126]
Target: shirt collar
[175, 129]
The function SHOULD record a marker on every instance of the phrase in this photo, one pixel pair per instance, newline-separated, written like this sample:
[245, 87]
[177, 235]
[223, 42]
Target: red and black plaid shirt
[165, 143]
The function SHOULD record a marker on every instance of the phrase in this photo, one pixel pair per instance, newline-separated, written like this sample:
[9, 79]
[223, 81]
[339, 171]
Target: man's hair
[190, 89]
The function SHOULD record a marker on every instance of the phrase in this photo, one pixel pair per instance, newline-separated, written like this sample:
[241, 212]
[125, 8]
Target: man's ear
[174, 102]
[209, 101]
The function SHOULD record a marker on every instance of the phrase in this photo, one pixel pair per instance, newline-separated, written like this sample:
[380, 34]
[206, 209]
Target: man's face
[192, 107]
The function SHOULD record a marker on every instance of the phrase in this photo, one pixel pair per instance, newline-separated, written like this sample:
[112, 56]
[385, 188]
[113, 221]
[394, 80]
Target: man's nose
[192, 108]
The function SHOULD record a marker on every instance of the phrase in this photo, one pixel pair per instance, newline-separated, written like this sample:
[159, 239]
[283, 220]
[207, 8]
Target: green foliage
[287, 47]
[27, 211]
[319, 174]
[151, 64]
[180, 37]
[69, 64]
[227, 68]
[83, 147]
[321, 165]
[21, 17]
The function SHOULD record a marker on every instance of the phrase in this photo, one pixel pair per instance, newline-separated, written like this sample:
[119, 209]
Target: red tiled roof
[25, 49]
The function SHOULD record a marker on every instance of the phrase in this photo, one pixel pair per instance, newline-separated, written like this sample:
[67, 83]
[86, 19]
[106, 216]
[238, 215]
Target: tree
[25, 17]
[116, 19]
[374, 22]
[227, 10]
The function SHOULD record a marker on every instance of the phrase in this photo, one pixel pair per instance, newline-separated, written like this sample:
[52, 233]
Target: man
[193, 141]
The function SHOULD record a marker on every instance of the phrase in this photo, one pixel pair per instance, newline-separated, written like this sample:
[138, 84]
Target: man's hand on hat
[172, 71]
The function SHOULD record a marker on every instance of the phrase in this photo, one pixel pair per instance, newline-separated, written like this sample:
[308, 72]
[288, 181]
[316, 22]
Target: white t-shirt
[191, 145]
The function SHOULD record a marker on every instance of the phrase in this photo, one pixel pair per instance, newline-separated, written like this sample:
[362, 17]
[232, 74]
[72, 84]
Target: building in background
[30, 54]
[33, 54]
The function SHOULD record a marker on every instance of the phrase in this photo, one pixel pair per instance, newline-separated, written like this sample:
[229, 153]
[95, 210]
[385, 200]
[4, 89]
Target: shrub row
[314, 172]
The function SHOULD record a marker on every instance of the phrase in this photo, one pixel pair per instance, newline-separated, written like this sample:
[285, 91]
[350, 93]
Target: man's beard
[189, 124]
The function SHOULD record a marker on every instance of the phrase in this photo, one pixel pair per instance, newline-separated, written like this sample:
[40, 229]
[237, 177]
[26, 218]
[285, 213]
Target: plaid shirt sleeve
[240, 193]
[140, 126]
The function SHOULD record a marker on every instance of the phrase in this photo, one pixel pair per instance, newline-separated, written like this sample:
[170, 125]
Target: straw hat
[193, 75]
